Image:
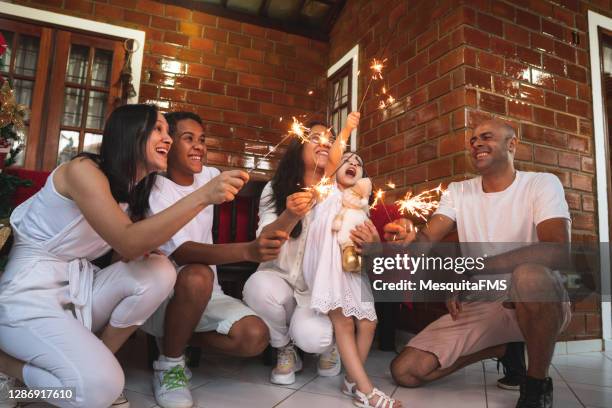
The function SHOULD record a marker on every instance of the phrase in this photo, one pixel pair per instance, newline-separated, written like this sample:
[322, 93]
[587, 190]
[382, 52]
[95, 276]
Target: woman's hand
[225, 186]
[401, 230]
[298, 204]
[364, 234]
[267, 246]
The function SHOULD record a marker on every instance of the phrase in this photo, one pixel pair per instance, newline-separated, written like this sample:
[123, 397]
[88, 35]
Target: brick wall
[451, 64]
[239, 77]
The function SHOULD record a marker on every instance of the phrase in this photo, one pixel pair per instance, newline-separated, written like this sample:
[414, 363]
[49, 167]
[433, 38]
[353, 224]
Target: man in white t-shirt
[198, 312]
[502, 205]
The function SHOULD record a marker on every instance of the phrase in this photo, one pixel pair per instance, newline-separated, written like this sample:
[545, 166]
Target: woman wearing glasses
[277, 292]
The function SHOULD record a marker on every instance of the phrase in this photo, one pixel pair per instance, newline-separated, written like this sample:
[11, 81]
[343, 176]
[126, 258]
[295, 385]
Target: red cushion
[243, 205]
[38, 179]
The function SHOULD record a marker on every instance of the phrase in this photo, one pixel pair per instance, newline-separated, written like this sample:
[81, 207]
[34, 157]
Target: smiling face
[316, 152]
[492, 146]
[350, 171]
[189, 150]
[158, 146]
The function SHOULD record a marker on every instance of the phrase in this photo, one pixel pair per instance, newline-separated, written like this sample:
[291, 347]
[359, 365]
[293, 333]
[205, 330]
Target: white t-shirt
[165, 192]
[505, 216]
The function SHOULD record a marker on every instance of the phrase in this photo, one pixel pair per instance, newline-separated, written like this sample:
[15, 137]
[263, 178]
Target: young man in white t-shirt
[502, 205]
[198, 312]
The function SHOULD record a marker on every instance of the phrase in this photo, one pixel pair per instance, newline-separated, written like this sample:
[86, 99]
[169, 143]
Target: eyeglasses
[320, 138]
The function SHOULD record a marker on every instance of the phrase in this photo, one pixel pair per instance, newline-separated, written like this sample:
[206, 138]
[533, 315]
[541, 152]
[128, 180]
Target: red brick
[517, 70]
[439, 87]
[453, 100]
[506, 86]
[492, 103]
[440, 48]
[528, 20]
[543, 79]
[287, 50]
[427, 152]
[532, 94]
[229, 24]
[213, 87]
[542, 43]
[427, 74]
[162, 23]
[177, 12]
[200, 70]
[477, 78]
[553, 29]
[516, 34]
[578, 108]
[503, 48]
[582, 221]
[164, 49]
[543, 136]
[151, 7]
[545, 155]
[588, 164]
[576, 73]
[227, 50]
[110, 12]
[203, 44]
[529, 56]
[553, 65]
[440, 168]
[490, 24]
[173, 94]
[490, 62]
[582, 182]
[569, 160]
[174, 38]
[519, 110]
[543, 116]
[567, 122]
[136, 17]
[82, 6]
[565, 51]
[215, 34]
[452, 144]
[502, 9]
[476, 38]
[573, 200]
[578, 144]
[556, 101]
[205, 19]
[588, 203]
[524, 151]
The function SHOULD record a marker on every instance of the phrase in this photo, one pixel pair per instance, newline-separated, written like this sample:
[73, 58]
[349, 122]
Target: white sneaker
[288, 363]
[171, 385]
[6, 384]
[121, 401]
[329, 363]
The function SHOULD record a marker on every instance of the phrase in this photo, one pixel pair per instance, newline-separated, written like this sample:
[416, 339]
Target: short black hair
[173, 118]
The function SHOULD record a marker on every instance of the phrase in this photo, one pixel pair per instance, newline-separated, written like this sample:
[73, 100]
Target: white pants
[272, 298]
[60, 352]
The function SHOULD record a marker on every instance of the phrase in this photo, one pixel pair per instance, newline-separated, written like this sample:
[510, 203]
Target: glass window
[73, 107]
[77, 64]
[5, 59]
[100, 72]
[68, 146]
[96, 108]
[26, 57]
[92, 143]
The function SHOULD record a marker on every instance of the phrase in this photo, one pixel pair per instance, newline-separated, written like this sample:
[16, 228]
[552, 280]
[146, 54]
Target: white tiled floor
[580, 380]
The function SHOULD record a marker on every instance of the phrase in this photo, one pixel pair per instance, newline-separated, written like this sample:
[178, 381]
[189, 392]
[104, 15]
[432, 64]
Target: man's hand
[401, 230]
[364, 234]
[267, 246]
[298, 204]
[454, 307]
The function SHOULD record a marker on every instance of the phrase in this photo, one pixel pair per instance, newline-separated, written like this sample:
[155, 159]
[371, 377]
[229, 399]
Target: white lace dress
[329, 285]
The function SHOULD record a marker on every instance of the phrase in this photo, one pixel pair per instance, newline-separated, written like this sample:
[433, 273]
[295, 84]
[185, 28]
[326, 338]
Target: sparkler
[322, 189]
[377, 67]
[297, 129]
[422, 204]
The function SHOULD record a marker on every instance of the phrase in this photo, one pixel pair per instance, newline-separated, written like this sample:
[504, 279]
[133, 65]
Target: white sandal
[349, 388]
[363, 401]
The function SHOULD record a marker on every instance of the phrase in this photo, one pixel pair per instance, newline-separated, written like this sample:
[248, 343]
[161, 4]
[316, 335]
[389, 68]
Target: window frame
[351, 58]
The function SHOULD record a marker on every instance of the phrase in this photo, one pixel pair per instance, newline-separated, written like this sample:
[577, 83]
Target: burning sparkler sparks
[322, 189]
[377, 67]
[299, 130]
[422, 204]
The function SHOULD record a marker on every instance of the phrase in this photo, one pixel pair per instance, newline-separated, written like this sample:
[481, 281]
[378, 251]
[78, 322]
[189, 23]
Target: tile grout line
[295, 391]
[568, 385]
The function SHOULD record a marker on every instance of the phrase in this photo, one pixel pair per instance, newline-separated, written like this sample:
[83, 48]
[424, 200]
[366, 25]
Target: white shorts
[220, 315]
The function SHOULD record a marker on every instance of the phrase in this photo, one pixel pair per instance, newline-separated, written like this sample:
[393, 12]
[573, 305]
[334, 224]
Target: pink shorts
[480, 325]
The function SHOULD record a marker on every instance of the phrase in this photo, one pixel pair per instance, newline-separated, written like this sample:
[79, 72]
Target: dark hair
[314, 123]
[123, 148]
[173, 118]
[288, 179]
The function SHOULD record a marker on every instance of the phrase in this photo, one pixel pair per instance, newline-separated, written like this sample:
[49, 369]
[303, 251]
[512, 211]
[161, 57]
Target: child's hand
[298, 204]
[352, 121]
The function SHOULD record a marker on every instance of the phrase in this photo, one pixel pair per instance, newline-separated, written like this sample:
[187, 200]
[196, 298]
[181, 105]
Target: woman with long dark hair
[53, 299]
[277, 292]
